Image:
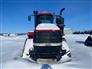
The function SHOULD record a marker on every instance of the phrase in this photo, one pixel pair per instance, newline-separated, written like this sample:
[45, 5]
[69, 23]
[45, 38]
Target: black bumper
[45, 55]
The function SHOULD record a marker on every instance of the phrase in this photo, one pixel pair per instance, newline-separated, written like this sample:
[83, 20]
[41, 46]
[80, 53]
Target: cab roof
[45, 13]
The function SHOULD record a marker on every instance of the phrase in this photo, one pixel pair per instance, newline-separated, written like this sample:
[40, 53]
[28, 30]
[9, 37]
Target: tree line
[83, 32]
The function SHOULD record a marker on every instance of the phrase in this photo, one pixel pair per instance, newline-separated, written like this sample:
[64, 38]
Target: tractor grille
[47, 49]
[47, 37]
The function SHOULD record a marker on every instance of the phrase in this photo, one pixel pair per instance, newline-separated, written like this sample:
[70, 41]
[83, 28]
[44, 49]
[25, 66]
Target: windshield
[45, 19]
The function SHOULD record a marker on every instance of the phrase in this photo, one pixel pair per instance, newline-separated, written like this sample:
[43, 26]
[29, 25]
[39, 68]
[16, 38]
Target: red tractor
[46, 17]
[46, 41]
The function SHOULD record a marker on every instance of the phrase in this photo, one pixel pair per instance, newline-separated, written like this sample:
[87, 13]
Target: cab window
[45, 19]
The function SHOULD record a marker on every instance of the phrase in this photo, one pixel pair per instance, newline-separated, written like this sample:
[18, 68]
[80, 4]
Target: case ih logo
[46, 66]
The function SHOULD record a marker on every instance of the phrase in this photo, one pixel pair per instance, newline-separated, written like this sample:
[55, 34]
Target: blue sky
[13, 13]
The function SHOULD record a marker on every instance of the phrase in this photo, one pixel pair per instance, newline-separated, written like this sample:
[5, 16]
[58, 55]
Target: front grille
[47, 37]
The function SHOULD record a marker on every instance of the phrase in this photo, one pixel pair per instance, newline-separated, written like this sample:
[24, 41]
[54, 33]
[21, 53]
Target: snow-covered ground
[11, 48]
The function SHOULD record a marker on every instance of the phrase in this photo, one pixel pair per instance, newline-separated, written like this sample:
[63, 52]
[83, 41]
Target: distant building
[6, 34]
[68, 31]
[12, 34]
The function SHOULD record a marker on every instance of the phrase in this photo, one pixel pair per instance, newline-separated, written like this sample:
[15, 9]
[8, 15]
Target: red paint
[30, 33]
[47, 30]
[50, 31]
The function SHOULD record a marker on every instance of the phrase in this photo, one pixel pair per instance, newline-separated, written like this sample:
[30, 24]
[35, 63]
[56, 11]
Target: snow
[11, 49]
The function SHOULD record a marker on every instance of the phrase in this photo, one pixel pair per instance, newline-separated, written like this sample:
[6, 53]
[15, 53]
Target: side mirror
[29, 18]
[62, 11]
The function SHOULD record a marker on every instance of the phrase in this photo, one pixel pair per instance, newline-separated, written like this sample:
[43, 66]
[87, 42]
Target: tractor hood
[46, 26]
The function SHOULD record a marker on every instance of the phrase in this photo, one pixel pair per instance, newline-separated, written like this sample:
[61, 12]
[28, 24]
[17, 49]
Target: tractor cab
[47, 18]
[43, 17]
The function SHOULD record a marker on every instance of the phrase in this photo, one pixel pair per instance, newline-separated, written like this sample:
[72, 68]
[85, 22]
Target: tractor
[47, 40]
